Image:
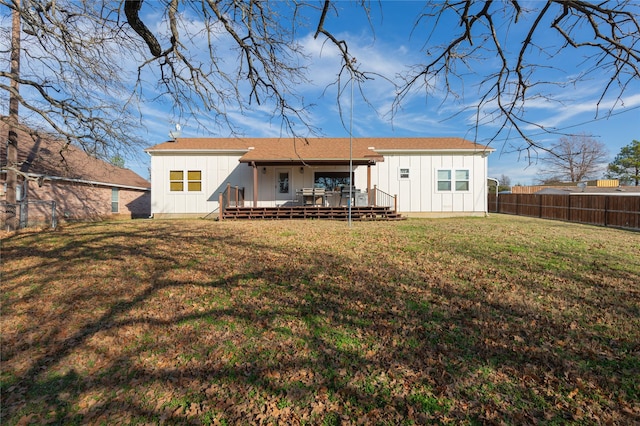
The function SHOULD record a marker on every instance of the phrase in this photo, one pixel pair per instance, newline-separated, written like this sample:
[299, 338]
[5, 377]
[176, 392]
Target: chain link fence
[26, 214]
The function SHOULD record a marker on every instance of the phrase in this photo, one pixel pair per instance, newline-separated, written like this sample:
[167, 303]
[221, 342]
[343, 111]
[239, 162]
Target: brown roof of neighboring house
[264, 150]
[49, 157]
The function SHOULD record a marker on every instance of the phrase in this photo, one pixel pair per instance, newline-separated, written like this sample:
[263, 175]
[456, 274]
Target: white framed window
[403, 173]
[453, 180]
[115, 200]
[462, 180]
[444, 180]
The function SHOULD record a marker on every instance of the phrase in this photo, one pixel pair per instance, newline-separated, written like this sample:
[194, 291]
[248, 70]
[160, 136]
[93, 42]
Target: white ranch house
[428, 176]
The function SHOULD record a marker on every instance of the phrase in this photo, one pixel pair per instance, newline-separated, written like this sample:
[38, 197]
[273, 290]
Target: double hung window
[456, 180]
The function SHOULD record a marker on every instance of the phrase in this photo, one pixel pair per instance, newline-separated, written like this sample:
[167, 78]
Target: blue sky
[393, 45]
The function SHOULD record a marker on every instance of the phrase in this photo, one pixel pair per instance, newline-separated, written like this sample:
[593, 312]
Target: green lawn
[453, 321]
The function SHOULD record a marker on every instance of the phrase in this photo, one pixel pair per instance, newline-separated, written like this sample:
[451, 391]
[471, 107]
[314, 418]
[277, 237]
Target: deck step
[312, 212]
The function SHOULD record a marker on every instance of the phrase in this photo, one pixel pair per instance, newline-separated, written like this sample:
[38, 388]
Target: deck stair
[312, 212]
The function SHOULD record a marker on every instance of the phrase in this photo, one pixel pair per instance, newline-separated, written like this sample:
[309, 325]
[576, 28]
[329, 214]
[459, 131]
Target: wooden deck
[311, 212]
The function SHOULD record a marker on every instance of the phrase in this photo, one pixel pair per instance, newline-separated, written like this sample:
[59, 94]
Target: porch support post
[375, 192]
[221, 204]
[369, 183]
[255, 184]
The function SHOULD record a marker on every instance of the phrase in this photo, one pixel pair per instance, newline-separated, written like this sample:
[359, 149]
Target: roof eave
[307, 161]
[436, 150]
[87, 182]
[196, 151]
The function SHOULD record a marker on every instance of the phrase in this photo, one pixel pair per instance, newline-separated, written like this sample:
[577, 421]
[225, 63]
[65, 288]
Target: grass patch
[472, 321]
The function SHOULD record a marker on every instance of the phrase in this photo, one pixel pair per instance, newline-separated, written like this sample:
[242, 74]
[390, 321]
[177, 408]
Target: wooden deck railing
[230, 197]
[379, 198]
[234, 197]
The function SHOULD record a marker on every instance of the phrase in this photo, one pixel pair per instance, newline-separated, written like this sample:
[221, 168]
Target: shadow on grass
[196, 323]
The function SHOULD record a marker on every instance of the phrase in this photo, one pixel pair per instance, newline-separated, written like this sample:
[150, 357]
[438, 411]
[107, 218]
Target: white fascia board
[196, 151]
[434, 151]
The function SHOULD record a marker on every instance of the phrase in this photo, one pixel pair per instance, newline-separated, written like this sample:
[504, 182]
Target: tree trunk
[12, 137]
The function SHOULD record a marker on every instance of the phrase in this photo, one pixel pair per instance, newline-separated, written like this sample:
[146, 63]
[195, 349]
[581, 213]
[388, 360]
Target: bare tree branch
[611, 48]
[131, 10]
[75, 82]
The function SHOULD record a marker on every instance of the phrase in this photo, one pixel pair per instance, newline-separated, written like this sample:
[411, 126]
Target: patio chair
[313, 196]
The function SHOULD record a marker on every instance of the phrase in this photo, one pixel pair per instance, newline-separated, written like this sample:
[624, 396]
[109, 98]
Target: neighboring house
[430, 176]
[82, 187]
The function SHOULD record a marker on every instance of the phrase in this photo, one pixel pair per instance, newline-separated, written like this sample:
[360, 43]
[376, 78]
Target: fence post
[539, 205]
[395, 203]
[24, 215]
[54, 218]
[375, 194]
[237, 195]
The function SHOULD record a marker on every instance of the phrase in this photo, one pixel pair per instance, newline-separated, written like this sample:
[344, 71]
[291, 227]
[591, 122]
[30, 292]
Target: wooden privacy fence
[607, 210]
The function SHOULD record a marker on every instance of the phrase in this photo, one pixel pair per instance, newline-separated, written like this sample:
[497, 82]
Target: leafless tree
[574, 159]
[73, 79]
[70, 73]
[524, 37]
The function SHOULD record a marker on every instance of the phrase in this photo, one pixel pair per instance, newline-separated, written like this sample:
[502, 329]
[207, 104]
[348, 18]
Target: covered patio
[309, 180]
[378, 206]
[327, 168]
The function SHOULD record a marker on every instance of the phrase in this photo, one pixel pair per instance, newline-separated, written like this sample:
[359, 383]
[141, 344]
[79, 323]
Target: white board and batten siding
[418, 192]
[411, 175]
[217, 169]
